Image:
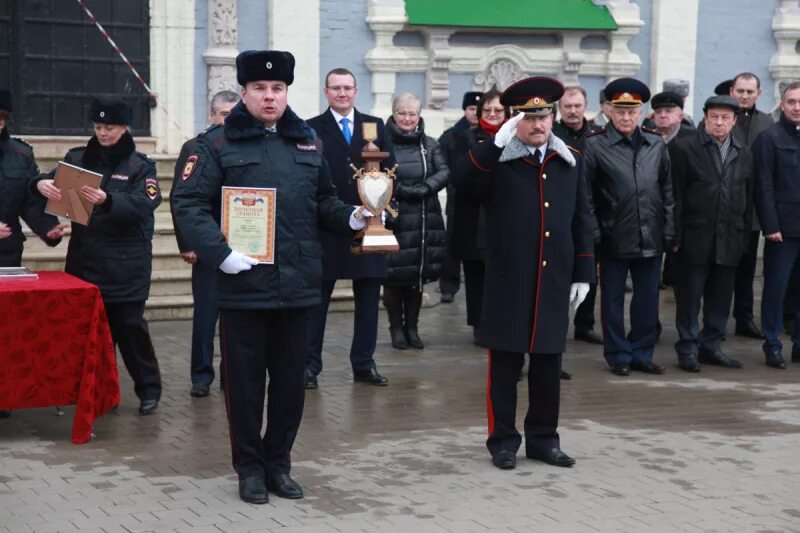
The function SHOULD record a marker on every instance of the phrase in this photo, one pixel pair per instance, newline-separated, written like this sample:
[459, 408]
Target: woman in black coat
[464, 230]
[115, 250]
[419, 228]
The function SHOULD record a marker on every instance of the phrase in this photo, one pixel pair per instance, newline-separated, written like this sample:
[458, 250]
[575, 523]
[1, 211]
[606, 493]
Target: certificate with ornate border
[248, 221]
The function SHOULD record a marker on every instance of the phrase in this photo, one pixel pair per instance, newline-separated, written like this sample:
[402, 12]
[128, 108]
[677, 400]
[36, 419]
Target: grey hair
[223, 97]
[406, 99]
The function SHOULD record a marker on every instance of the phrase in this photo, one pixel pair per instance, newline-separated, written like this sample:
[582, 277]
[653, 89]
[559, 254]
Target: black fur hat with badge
[110, 111]
[471, 98]
[264, 65]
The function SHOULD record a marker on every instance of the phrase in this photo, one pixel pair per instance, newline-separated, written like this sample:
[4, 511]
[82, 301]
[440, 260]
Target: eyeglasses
[493, 111]
[342, 88]
[407, 114]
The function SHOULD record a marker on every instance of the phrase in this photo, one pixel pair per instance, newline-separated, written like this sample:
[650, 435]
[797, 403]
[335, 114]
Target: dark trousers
[256, 343]
[584, 315]
[11, 258]
[638, 344]
[474, 272]
[366, 292]
[780, 259]
[745, 274]
[714, 285]
[204, 321]
[544, 395]
[450, 280]
[791, 303]
[402, 304]
[130, 333]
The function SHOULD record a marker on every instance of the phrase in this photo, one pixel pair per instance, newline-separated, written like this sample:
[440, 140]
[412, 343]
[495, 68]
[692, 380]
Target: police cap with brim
[471, 98]
[721, 100]
[627, 92]
[5, 100]
[724, 88]
[109, 111]
[264, 65]
[666, 99]
[533, 96]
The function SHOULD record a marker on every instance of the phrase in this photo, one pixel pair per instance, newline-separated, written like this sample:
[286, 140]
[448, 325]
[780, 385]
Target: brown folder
[70, 179]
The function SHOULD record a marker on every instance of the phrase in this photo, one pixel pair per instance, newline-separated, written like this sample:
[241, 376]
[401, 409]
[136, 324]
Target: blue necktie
[346, 129]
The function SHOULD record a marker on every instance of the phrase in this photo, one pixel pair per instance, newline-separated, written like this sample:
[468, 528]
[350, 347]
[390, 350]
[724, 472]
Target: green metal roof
[533, 14]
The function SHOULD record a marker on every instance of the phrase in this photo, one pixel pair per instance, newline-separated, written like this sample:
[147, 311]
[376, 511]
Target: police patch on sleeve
[151, 188]
[188, 168]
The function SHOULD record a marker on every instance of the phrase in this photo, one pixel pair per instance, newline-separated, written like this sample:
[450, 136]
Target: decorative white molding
[674, 44]
[220, 56]
[172, 40]
[785, 64]
[490, 64]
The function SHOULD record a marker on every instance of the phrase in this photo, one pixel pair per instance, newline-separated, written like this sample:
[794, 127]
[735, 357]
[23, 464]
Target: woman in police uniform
[115, 250]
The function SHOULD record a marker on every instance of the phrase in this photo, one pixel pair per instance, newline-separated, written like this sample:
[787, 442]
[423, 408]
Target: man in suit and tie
[340, 128]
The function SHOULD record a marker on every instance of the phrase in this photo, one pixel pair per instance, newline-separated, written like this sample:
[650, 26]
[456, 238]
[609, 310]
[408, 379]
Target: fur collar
[516, 149]
[97, 157]
[240, 124]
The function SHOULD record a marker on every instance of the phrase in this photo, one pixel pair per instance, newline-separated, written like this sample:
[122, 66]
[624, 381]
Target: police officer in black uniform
[264, 308]
[539, 260]
[115, 250]
[17, 169]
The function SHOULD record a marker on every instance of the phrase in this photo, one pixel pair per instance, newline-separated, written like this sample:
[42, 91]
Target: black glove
[413, 192]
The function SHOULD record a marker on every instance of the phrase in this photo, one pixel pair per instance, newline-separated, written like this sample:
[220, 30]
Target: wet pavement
[714, 451]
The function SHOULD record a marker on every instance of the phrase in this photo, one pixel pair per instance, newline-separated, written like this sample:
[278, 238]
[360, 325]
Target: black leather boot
[393, 301]
[413, 301]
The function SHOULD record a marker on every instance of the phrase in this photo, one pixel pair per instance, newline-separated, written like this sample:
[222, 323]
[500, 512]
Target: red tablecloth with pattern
[56, 349]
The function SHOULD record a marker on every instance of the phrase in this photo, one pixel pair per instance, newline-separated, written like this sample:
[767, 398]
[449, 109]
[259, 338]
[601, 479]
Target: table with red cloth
[56, 349]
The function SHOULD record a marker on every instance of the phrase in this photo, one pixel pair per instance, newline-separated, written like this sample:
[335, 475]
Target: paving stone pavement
[715, 451]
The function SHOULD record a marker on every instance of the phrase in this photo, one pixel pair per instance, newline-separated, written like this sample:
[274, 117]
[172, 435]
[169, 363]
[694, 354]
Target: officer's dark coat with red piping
[540, 240]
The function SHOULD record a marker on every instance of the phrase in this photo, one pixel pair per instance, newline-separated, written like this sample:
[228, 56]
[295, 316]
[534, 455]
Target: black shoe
[588, 336]
[284, 486]
[311, 380]
[795, 354]
[148, 407]
[370, 377]
[200, 390]
[504, 460]
[748, 328]
[718, 358]
[413, 339]
[566, 376]
[5, 413]
[447, 298]
[398, 338]
[253, 490]
[621, 369]
[647, 368]
[553, 456]
[775, 360]
[689, 363]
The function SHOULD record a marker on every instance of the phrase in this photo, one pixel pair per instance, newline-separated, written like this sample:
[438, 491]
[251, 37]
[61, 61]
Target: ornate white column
[386, 18]
[220, 56]
[621, 61]
[674, 44]
[437, 78]
[785, 64]
[171, 65]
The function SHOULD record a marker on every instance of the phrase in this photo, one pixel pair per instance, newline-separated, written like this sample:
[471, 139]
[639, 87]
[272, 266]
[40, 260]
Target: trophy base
[375, 240]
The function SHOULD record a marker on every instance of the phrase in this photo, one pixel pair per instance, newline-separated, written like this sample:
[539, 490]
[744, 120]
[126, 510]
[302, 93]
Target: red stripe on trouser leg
[489, 406]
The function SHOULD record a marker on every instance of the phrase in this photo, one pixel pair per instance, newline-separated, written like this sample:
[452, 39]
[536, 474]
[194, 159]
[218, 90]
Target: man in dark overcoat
[776, 156]
[265, 308]
[712, 176]
[340, 127]
[539, 260]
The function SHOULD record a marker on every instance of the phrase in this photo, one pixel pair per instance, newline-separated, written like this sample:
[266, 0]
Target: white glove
[357, 223]
[507, 131]
[577, 294]
[237, 262]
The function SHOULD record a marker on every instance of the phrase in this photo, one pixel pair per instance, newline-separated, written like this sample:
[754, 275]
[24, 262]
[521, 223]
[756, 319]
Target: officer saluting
[539, 259]
[264, 309]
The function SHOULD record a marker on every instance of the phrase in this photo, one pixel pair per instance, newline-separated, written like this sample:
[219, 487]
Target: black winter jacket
[17, 200]
[776, 155]
[115, 250]
[419, 228]
[713, 204]
[631, 185]
[241, 153]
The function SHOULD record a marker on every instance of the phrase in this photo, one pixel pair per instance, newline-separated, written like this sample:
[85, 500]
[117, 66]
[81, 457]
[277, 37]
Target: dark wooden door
[56, 61]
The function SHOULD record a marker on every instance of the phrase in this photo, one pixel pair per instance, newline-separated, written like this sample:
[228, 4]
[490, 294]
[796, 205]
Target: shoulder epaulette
[22, 142]
[212, 127]
[595, 132]
[645, 129]
[573, 149]
[144, 157]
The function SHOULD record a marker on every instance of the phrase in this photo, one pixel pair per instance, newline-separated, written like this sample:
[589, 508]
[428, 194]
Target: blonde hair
[404, 99]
